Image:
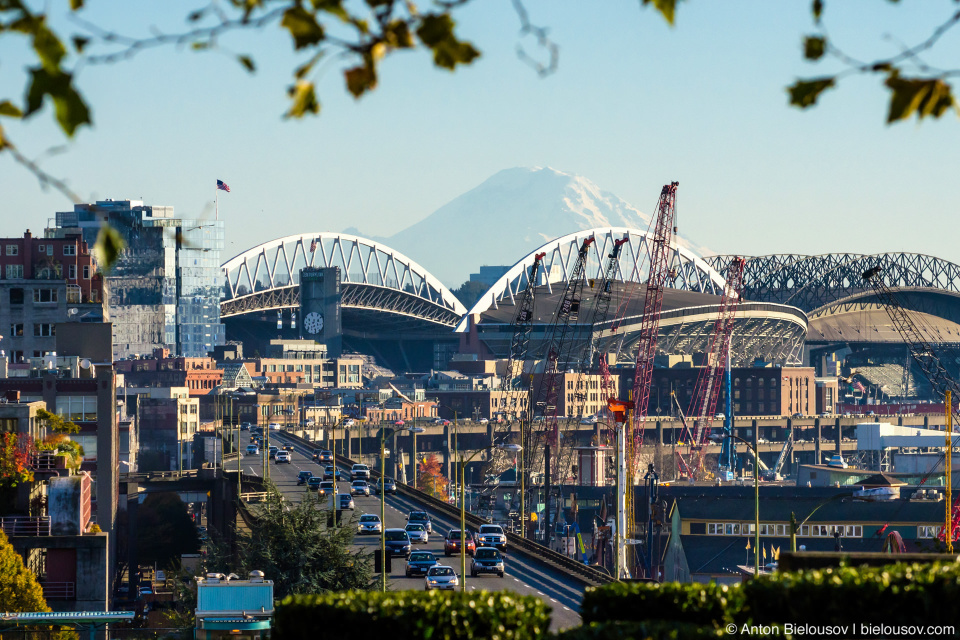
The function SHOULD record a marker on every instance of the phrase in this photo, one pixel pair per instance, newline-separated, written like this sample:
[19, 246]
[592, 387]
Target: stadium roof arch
[692, 272]
[374, 278]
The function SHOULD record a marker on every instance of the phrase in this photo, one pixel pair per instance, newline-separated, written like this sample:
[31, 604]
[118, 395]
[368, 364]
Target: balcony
[59, 590]
[47, 461]
[25, 526]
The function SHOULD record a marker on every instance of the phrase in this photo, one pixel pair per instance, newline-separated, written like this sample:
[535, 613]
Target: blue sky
[634, 104]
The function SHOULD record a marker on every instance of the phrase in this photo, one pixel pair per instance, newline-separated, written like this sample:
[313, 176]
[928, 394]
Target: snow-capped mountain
[508, 216]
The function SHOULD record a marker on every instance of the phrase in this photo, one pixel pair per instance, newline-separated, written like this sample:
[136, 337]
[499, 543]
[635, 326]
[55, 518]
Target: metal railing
[43, 461]
[59, 590]
[25, 525]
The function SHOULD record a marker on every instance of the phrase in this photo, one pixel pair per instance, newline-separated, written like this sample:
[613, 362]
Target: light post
[515, 448]
[756, 499]
[383, 508]
[795, 527]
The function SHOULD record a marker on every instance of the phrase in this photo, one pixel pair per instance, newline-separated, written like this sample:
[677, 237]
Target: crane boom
[652, 303]
[925, 355]
[707, 392]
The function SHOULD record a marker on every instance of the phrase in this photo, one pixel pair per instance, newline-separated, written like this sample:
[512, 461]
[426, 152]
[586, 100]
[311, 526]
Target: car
[326, 457]
[360, 488]
[245, 426]
[369, 523]
[273, 450]
[349, 422]
[253, 450]
[282, 456]
[440, 577]
[316, 454]
[417, 533]
[797, 415]
[399, 423]
[274, 426]
[388, 485]
[397, 542]
[420, 517]
[451, 544]
[313, 483]
[484, 421]
[871, 413]
[287, 447]
[720, 416]
[486, 561]
[825, 414]
[303, 476]
[360, 472]
[492, 535]
[325, 487]
[438, 421]
[419, 563]
[346, 502]
[329, 471]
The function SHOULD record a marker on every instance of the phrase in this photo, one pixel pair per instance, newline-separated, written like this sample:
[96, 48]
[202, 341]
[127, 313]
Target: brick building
[199, 375]
[66, 258]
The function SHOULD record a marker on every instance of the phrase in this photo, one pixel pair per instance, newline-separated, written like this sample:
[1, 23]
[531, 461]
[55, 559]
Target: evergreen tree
[19, 590]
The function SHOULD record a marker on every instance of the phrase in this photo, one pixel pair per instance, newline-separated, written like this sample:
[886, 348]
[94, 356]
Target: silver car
[441, 577]
[360, 488]
[418, 533]
[369, 523]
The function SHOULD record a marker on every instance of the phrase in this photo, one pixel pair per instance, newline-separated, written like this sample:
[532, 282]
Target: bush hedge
[897, 594]
[650, 630]
[432, 615]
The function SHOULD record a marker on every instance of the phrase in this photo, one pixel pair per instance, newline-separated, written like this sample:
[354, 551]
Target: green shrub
[413, 614]
[651, 630]
[696, 603]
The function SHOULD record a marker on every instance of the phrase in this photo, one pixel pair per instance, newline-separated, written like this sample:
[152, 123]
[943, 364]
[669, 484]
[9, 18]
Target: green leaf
[247, 63]
[804, 93]
[48, 46]
[304, 100]
[3, 140]
[107, 248]
[397, 35]
[436, 32]
[303, 27]
[817, 10]
[196, 15]
[10, 110]
[814, 47]
[925, 97]
[199, 46]
[333, 7]
[80, 43]
[71, 110]
[667, 8]
[361, 79]
[75, 5]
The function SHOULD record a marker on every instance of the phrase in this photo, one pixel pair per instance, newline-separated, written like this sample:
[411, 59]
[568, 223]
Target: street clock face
[313, 323]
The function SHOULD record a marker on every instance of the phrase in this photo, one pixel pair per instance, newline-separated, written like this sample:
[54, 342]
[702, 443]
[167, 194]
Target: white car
[369, 523]
[417, 533]
[484, 421]
[360, 472]
[441, 577]
[282, 456]
[492, 535]
[274, 426]
[253, 450]
[348, 422]
[360, 488]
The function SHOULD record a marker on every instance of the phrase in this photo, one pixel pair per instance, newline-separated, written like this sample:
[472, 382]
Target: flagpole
[216, 200]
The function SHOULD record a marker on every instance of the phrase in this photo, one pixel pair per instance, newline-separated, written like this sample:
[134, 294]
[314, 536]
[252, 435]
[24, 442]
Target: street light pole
[383, 493]
[756, 501]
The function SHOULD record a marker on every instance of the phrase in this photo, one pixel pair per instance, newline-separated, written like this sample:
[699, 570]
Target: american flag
[223, 186]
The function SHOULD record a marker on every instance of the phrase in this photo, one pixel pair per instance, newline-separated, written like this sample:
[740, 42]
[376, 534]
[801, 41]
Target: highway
[522, 576]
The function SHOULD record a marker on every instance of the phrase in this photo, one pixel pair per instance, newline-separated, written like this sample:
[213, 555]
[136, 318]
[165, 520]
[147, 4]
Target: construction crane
[774, 474]
[659, 271]
[520, 343]
[707, 392]
[925, 354]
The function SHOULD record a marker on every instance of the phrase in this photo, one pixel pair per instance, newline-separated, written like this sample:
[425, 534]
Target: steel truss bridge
[814, 282]
[374, 277]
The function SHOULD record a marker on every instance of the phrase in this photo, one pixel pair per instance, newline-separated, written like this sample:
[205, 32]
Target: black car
[420, 517]
[397, 542]
[419, 562]
[303, 476]
[486, 560]
[389, 485]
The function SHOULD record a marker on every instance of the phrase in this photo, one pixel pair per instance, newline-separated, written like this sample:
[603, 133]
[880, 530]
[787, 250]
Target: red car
[451, 544]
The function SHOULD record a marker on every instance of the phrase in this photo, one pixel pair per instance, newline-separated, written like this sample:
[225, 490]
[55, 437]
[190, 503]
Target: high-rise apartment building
[164, 291]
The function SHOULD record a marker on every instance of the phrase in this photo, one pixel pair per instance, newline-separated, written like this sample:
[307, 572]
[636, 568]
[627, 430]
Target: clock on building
[313, 323]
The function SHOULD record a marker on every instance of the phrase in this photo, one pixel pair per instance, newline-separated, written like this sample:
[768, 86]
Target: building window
[13, 250]
[16, 296]
[16, 329]
[715, 529]
[44, 330]
[42, 248]
[44, 295]
[781, 529]
[14, 271]
[927, 532]
[68, 250]
[82, 408]
[72, 272]
[86, 272]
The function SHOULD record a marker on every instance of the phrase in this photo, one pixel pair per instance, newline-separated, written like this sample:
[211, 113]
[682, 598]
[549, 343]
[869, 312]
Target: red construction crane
[603, 309]
[653, 301]
[707, 392]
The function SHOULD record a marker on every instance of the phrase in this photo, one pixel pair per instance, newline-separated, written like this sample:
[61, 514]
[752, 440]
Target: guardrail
[25, 525]
[158, 475]
[59, 590]
[588, 575]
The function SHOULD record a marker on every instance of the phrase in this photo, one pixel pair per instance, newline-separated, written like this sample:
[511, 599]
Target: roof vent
[214, 577]
[256, 576]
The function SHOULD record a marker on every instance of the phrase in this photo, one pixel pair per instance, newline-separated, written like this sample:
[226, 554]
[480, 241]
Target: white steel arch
[692, 273]
[277, 264]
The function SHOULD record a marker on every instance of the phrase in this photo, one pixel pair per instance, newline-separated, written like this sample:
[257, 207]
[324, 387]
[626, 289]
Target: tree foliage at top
[294, 546]
[19, 590]
[470, 292]
[165, 530]
[431, 479]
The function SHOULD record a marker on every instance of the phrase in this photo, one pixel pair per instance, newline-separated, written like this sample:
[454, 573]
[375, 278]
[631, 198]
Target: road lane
[522, 576]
